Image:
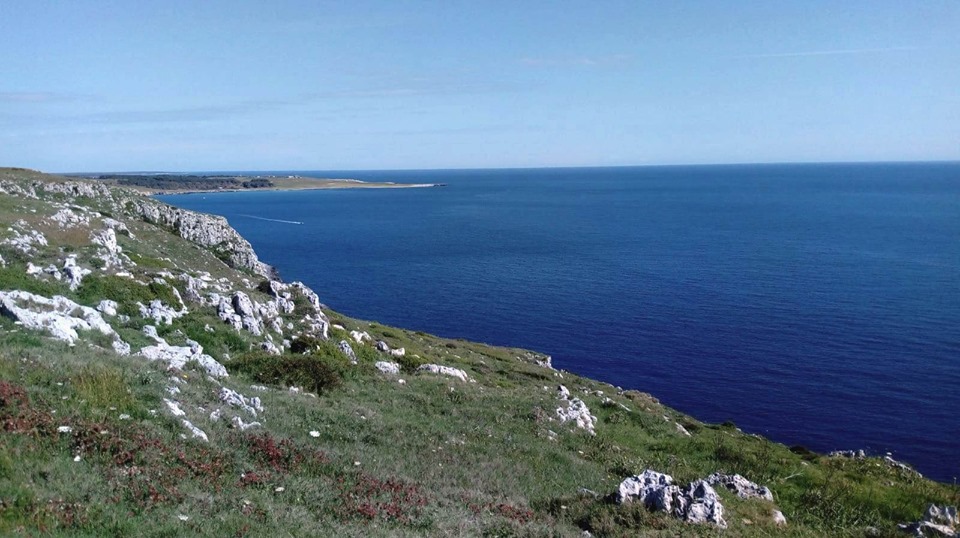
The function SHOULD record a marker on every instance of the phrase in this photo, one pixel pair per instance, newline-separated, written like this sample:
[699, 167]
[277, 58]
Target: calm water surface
[814, 304]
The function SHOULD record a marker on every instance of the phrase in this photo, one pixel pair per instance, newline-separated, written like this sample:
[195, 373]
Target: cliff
[157, 378]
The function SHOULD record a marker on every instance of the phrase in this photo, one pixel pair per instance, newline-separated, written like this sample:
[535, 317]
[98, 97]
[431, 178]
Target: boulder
[345, 348]
[235, 399]
[159, 312]
[58, 316]
[382, 346]
[178, 356]
[74, 272]
[388, 367]
[696, 503]
[739, 485]
[360, 337]
[444, 370]
[399, 352]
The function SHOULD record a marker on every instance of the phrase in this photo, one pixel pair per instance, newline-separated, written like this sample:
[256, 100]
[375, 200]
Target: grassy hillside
[92, 443]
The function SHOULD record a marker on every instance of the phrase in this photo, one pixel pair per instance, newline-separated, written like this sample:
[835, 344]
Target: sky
[131, 85]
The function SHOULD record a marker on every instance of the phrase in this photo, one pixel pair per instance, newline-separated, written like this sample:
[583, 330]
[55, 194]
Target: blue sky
[234, 85]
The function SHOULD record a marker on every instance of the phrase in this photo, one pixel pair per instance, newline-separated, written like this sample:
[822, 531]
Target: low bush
[312, 373]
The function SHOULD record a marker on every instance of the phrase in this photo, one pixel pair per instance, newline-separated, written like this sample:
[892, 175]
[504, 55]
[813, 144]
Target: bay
[815, 304]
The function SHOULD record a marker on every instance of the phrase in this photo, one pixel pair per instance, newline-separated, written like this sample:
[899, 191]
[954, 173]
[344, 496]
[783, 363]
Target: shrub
[311, 372]
[305, 344]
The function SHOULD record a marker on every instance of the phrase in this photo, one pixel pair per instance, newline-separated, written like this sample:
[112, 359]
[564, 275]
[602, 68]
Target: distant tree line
[186, 182]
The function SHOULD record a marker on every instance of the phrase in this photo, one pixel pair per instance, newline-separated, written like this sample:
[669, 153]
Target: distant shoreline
[332, 185]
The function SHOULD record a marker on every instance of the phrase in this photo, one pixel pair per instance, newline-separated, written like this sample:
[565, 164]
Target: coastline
[336, 184]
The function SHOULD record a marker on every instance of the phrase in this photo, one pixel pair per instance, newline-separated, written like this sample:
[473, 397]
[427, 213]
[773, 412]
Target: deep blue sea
[813, 304]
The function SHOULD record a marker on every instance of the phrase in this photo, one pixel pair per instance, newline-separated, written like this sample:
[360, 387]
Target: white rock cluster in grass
[387, 367]
[444, 370]
[25, 241]
[861, 454]
[235, 399]
[159, 312]
[58, 316]
[575, 410]
[178, 356]
[360, 337]
[345, 348]
[739, 485]
[174, 408]
[937, 521]
[67, 218]
[695, 503]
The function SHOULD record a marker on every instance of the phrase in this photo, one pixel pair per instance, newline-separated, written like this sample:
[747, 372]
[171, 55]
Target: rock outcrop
[209, 231]
[178, 356]
[696, 503]
[386, 367]
[58, 316]
[937, 521]
[575, 410]
[444, 370]
[739, 485]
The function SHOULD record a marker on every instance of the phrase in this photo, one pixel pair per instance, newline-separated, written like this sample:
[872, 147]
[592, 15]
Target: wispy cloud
[578, 61]
[35, 97]
[834, 52]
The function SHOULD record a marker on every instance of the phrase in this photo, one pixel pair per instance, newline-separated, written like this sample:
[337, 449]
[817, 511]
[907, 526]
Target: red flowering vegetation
[255, 479]
[508, 511]
[366, 497]
[18, 416]
[284, 455]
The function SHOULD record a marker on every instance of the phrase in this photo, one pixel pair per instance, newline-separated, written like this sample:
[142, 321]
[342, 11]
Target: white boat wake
[273, 220]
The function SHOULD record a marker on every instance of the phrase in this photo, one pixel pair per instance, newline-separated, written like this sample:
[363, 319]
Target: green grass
[432, 456]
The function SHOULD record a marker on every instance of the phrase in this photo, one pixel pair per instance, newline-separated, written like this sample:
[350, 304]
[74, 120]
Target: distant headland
[164, 183]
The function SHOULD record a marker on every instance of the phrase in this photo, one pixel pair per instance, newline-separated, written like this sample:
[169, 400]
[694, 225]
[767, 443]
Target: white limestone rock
[778, 518]
[235, 399]
[58, 316]
[238, 423]
[360, 337]
[178, 356]
[25, 242]
[739, 485]
[399, 352]
[108, 307]
[382, 346]
[270, 347]
[67, 218]
[74, 272]
[387, 367]
[159, 312]
[696, 503]
[345, 348]
[444, 370]
[576, 411]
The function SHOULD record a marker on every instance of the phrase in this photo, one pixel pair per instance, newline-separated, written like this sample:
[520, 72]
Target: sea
[814, 304]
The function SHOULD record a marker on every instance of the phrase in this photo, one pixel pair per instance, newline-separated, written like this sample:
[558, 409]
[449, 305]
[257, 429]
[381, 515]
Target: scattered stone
[853, 454]
[681, 430]
[444, 370]
[74, 272]
[66, 218]
[399, 352]
[697, 503]
[744, 488]
[270, 347]
[108, 307]
[235, 399]
[240, 425]
[779, 519]
[159, 312]
[314, 433]
[26, 242]
[388, 367]
[56, 316]
[345, 348]
[195, 431]
[900, 465]
[360, 337]
[64, 429]
[174, 408]
[575, 410]
[937, 521]
[382, 346]
[178, 356]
